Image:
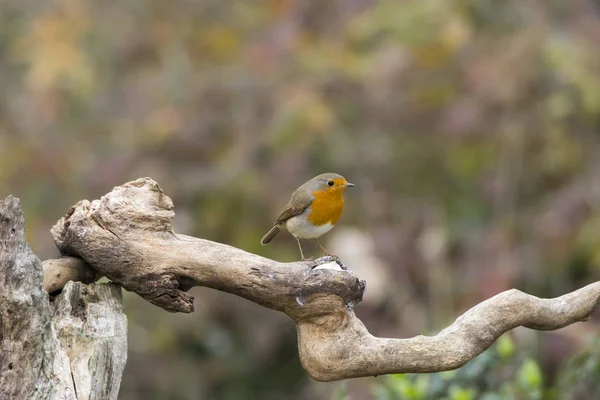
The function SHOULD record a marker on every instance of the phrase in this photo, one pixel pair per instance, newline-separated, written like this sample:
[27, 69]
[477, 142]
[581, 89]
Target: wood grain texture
[128, 236]
[57, 271]
[72, 348]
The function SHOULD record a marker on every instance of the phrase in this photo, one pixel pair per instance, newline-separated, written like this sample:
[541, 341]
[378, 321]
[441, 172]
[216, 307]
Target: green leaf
[422, 386]
[530, 375]
[505, 346]
[404, 388]
[458, 393]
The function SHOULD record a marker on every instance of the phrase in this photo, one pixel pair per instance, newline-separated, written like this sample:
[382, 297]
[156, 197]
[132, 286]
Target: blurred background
[471, 129]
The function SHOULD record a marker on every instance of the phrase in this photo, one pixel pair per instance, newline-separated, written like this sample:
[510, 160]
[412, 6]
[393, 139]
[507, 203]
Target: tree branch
[59, 271]
[128, 236]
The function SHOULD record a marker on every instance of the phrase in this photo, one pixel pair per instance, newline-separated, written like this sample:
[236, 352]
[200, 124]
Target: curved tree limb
[128, 236]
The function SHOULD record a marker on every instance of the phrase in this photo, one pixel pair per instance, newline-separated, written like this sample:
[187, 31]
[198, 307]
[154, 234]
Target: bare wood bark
[91, 328]
[128, 236]
[58, 271]
[74, 348]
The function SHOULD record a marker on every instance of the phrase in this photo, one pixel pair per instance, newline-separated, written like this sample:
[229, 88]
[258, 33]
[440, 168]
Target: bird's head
[330, 182]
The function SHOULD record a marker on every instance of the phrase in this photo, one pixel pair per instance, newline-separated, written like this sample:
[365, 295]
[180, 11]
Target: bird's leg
[301, 253]
[328, 254]
[325, 250]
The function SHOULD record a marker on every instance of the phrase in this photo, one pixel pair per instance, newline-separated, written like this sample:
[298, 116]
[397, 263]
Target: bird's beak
[348, 184]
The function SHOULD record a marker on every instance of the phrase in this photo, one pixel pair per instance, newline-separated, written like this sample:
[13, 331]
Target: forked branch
[128, 236]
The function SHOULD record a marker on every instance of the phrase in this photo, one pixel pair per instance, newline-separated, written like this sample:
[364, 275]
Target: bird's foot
[336, 258]
[308, 259]
[338, 261]
[328, 259]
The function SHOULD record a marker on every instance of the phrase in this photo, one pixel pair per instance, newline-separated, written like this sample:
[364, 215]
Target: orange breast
[326, 207]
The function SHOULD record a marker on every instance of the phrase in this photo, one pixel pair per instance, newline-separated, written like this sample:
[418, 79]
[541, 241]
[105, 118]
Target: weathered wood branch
[58, 271]
[128, 236]
[74, 348]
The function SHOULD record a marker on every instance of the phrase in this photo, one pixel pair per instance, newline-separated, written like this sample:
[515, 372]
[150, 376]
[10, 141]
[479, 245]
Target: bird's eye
[330, 183]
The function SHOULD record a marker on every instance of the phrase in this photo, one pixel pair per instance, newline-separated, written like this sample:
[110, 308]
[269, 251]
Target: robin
[313, 210]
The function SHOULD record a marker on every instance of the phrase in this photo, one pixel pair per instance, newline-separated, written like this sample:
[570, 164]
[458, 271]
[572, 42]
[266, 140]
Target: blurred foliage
[471, 128]
[499, 373]
[578, 378]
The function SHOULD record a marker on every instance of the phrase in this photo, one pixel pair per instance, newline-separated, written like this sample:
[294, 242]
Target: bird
[315, 208]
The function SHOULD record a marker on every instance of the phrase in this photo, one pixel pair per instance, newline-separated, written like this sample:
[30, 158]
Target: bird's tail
[270, 235]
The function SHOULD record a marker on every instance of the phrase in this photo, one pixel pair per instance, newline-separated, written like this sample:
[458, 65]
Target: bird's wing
[300, 201]
[288, 212]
